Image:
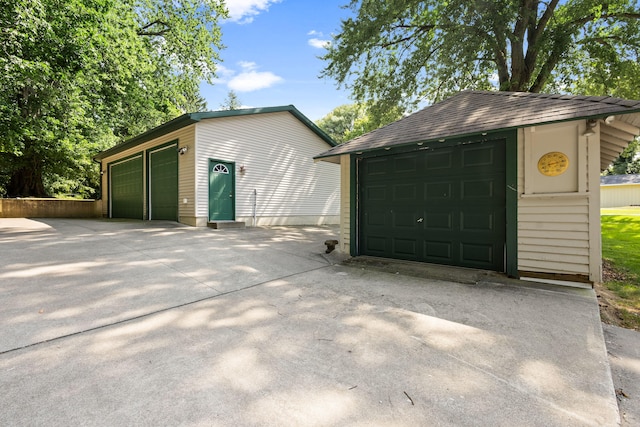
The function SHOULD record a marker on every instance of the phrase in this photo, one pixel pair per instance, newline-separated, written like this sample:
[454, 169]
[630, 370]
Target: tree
[349, 121]
[80, 75]
[341, 121]
[400, 52]
[627, 162]
[231, 102]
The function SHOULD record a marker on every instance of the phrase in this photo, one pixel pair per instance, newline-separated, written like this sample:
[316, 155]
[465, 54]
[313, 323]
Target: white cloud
[250, 79]
[243, 11]
[318, 41]
[223, 73]
[248, 65]
[319, 44]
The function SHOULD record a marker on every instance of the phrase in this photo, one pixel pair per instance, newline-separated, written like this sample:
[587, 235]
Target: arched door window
[220, 168]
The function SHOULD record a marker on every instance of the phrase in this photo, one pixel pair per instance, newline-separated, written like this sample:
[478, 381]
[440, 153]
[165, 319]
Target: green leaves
[349, 121]
[76, 76]
[406, 52]
[628, 161]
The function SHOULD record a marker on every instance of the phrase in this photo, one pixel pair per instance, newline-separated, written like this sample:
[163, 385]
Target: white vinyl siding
[558, 226]
[185, 137]
[187, 176]
[553, 235]
[276, 150]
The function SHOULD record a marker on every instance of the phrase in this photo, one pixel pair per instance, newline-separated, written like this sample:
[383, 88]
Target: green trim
[512, 205]
[355, 209]
[161, 146]
[124, 159]
[157, 132]
[232, 174]
[191, 118]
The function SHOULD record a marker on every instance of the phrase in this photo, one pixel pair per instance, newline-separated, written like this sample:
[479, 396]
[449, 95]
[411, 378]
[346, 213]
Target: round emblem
[553, 163]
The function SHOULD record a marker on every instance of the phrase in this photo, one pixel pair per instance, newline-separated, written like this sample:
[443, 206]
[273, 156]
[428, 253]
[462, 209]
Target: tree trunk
[26, 178]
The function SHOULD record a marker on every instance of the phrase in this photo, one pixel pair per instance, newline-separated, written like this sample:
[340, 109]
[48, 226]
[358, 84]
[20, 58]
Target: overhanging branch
[150, 30]
[593, 17]
[419, 30]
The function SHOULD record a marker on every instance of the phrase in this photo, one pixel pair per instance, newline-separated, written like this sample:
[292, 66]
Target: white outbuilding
[620, 190]
[252, 166]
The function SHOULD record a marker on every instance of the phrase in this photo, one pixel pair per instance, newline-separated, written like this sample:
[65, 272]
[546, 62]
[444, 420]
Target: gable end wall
[277, 151]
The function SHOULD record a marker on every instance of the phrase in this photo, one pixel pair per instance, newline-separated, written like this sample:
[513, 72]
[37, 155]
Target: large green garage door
[445, 205]
[127, 192]
[163, 183]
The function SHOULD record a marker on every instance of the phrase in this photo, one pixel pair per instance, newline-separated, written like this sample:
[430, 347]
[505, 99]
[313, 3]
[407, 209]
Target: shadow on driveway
[111, 323]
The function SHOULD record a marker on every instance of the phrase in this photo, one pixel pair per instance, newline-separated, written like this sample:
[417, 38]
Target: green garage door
[127, 192]
[444, 206]
[163, 183]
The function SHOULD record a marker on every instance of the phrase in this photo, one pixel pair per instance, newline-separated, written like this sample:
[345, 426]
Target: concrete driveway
[137, 323]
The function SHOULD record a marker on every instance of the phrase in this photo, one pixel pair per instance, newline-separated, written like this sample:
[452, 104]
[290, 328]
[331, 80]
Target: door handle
[230, 195]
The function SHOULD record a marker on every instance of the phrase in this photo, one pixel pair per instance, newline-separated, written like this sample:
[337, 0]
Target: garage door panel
[439, 161]
[438, 221]
[405, 220]
[451, 209]
[478, 156]
[477, 254]
[376, 245]
[376, 167]
[438, 191]
[403, 164]
[482, 221]
[376, 193]
[127, 189]
[376, 219]
[478, 189]
[405, 192]
[405, 248]
[163, 184]
[438, 252]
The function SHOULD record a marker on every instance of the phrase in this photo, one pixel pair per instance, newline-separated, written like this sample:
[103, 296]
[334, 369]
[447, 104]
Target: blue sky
[271, 55]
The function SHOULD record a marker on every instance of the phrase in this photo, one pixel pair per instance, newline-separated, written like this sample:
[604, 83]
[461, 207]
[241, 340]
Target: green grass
[621, 249]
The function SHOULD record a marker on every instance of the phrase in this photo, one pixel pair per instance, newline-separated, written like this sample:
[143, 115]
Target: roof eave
[332, 153]
[158, 131]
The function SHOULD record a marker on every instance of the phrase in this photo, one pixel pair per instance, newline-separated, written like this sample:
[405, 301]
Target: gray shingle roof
[473, 112]
[620, 179]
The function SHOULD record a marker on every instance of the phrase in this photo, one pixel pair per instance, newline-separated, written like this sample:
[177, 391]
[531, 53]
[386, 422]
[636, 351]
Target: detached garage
[620, 190]
[500, 181]
[250, 166]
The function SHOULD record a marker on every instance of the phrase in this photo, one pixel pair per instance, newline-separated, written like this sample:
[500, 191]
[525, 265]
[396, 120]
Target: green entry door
[444, 206]
[163, 183]
[221, 191]
[126, 188]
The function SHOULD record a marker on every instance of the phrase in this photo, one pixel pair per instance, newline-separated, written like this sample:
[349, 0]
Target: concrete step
[219, 225]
